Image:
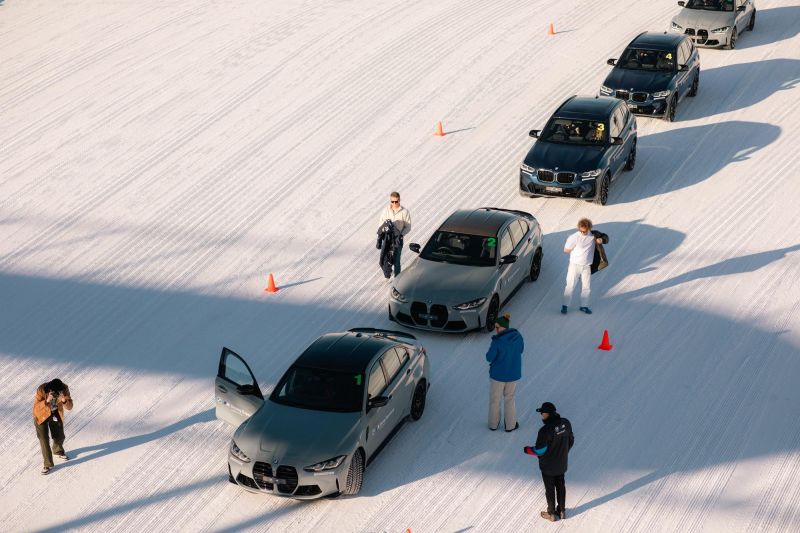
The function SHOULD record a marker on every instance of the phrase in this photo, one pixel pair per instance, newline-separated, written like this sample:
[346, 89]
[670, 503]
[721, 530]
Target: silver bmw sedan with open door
[327, 418]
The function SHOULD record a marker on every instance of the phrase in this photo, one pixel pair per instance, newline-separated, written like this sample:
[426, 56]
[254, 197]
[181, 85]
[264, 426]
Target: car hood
[708, 20]
[302, 437]
[638, 80]
[444, 283]
[569, 157]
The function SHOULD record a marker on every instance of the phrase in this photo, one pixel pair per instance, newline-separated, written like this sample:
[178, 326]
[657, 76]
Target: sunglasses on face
[395, 201]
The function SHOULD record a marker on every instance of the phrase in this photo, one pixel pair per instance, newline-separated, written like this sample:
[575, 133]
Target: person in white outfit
[401, 218]
[580, 246]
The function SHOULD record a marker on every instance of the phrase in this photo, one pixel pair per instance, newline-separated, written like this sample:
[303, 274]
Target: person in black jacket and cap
[553, 443]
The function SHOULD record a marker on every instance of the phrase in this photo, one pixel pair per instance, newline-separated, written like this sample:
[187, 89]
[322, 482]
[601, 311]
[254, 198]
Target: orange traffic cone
[271, 284]
[605, 345]
[552, 30]
[439, 130]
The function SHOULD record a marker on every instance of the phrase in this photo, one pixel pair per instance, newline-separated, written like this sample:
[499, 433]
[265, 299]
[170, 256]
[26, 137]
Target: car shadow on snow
[699, 151]
[773, 25]
[739, 86]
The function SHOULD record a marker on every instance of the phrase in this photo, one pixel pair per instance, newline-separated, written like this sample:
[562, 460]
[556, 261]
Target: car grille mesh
[565, 177]
[290, 475]
[623, 95]
[639, 97]
[436, 317]
[545, 175]
[261, 471]
[241, 479]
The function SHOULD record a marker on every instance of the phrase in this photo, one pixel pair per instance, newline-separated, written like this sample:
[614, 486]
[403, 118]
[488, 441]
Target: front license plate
[556, 190]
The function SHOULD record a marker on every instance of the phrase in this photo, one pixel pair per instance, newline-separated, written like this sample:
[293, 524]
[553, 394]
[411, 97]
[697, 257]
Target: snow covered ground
[158, 159]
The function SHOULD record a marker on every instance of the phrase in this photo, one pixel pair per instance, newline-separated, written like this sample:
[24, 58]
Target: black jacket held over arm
[552, 447]
[599, 261]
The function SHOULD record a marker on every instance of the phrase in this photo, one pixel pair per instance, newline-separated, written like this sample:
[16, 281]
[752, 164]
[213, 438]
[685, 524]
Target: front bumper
[530, 185]
[641, 103]
[288, 481]
[437, 317]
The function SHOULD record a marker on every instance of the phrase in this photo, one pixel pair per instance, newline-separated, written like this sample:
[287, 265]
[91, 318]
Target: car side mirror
[534, 133]
[683, 68]
[414, 247]
[378, 401]
[682, 3]
[508, 259]
[612, 61]
[740, 8]
[616, 140]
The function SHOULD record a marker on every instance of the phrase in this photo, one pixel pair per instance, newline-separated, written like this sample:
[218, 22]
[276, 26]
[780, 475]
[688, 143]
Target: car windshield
[572, 131]
[710, 5]
[643, 59]
[461, 249]
[320, 390]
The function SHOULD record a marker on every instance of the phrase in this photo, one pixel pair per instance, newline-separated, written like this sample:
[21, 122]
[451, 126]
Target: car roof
[347, 352]
[587, 107]
[657, 41]
[485, 221]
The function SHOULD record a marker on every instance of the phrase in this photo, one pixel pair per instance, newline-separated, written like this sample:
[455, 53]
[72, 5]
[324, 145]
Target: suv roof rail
[383, 332]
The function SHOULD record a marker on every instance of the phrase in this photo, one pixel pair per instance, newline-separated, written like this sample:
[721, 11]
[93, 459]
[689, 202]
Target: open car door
[236, 390]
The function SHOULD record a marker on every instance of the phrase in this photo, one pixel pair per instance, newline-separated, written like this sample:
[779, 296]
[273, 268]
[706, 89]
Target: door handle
[408, 372]
[222, 389]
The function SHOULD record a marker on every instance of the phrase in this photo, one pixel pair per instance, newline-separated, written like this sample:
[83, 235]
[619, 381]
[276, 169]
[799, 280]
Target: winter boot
[512, 429]
[548, 516]
[562, 514]
[586, 310]
[563, 309]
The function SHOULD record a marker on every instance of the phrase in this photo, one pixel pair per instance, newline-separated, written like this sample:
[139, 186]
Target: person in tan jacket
[48, 416]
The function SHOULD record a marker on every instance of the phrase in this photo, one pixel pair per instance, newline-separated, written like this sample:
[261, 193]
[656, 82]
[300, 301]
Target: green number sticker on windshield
[357, 377]
[491, 242]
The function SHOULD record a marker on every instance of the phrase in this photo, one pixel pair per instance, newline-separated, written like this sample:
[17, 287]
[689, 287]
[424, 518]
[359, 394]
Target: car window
[710, 5]
[574, 131]
[523, 226]
[516, 233]
[320, 389]
[236, 370]
[461, 249]
[616, 124]
[402, 354]
[682, 57]
[506, 244]
[644, 59]
[377, 381]
[626, 114]
[391, 364]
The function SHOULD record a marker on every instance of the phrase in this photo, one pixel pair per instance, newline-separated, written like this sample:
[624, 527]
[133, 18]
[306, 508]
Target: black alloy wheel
[631, 161]
[536, 265]
[732, 44]
[418, 400]
[491, 314]
[695, 85]
[602, 190]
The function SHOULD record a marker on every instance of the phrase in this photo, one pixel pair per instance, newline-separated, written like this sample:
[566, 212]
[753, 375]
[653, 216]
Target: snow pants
[43, 432]
[554, 489]
[502, 390]
[575, 272]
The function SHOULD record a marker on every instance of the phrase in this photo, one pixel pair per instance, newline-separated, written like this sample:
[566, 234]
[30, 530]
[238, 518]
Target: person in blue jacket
[505, 369]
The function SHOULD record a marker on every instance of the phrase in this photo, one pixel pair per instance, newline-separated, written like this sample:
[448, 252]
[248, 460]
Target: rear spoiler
[383, 332]
[515, 211]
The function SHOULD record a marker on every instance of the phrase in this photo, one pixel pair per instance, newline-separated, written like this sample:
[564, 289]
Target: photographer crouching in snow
[48, 416]
[395, 223]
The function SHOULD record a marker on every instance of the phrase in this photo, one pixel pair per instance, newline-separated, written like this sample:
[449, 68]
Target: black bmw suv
[587, 143]
[654, 73]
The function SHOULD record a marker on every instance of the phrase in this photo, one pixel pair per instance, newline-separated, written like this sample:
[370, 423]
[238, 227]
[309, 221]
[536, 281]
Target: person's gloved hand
[529, 450]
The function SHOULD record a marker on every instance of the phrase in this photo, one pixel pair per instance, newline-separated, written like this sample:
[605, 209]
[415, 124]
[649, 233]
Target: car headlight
[606, 91]
[238, 453]
[661, 94]
[676, 26]
[398, 297]
[721, 30]
[330, 464]
[591, 174]
[527, 168]
[472, 304]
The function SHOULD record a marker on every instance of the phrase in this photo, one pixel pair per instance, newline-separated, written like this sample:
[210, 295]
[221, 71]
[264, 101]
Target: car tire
[695, 85]
[732, 42]
[669, 116]
[631, 161]
[418, 400]
[536, 265]
[601, 197]
[492, 313]
[752, 23]
[355, 474]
